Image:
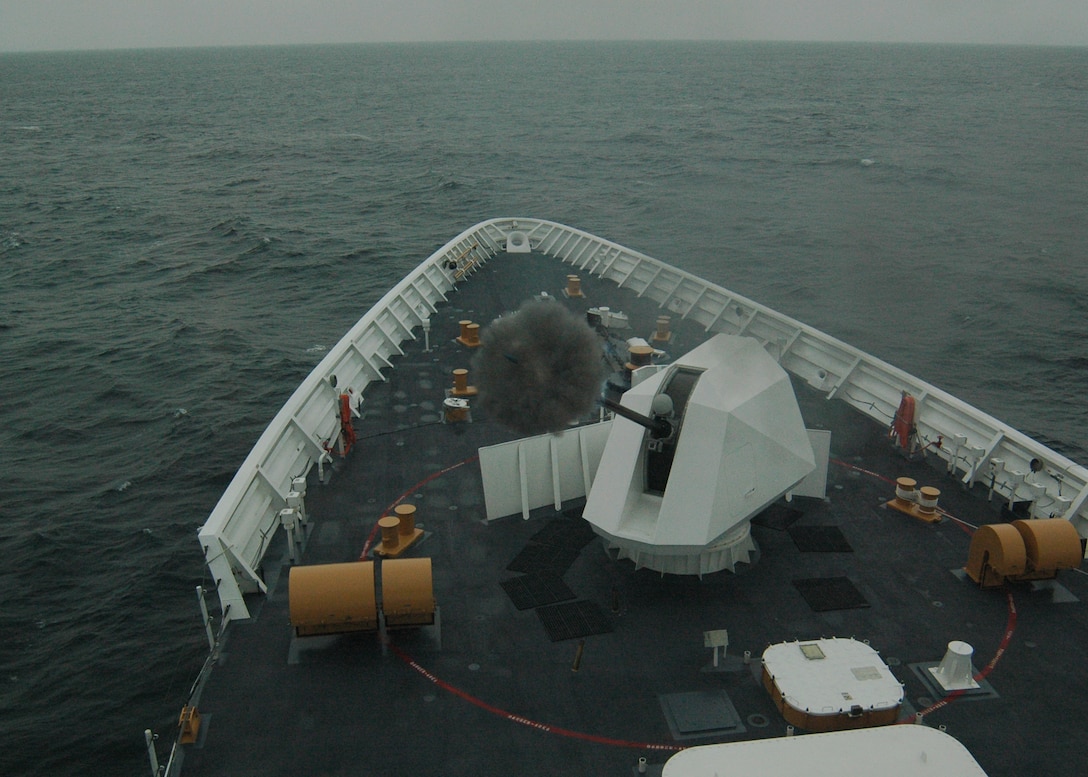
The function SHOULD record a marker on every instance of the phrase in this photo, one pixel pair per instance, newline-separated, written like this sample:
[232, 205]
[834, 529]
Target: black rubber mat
[819, 539]
[697, 714]
[830, 593]
[536, 557]
[567, 532]
[536, 590]
[777, 517]
[574, 619]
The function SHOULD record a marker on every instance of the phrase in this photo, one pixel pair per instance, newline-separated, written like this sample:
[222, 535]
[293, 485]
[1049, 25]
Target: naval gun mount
[698, 449]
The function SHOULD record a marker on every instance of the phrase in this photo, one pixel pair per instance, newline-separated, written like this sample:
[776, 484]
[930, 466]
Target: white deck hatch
[832, 676]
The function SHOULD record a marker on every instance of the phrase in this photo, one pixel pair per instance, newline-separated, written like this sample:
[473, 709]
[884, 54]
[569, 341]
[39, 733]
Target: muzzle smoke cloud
[539, 368]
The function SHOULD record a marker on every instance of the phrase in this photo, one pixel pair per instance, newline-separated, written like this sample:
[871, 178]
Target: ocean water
[184, 232]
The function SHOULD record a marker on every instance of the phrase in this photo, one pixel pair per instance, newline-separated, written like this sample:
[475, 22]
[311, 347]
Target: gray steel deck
[337, 705]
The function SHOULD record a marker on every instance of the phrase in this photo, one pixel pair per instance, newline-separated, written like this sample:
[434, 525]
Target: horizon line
[487, 41]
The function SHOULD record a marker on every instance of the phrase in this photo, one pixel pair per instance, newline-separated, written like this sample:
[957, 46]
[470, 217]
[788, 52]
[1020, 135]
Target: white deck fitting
[832, 676]
[955, 672]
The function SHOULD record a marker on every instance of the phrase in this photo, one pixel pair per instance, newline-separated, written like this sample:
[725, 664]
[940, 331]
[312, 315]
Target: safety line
[860, 469]
[519, 719]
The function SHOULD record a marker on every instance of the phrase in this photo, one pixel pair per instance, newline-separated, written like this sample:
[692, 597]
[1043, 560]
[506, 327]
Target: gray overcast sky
[92, 24]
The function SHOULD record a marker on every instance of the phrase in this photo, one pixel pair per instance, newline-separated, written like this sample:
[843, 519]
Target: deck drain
[758, 721]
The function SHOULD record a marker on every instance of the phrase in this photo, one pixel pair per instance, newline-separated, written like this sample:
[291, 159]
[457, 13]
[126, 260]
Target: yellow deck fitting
[466, 262]
[470, 334]
[574, 287]
[333, 598]
[399, 531]
[189, 723]
[1022, 550]
[408, 592]
[639, 356]
[918, 503]
[460, 384]
[663, 334]
[455, 411]
[997, 552]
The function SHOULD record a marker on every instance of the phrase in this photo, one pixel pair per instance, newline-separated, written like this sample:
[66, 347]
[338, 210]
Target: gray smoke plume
[538, 369]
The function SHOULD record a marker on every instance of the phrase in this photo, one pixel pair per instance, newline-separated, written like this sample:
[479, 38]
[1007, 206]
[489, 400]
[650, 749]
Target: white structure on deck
[889, 751]
[738, 444]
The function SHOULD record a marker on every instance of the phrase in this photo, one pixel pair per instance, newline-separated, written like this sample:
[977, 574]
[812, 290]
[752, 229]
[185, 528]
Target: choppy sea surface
[183, 233]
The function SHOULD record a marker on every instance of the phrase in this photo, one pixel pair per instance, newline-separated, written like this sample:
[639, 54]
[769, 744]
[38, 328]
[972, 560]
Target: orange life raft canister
[903, 422]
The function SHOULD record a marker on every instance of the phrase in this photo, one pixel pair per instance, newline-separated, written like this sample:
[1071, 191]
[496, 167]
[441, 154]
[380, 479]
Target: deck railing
[238, 532]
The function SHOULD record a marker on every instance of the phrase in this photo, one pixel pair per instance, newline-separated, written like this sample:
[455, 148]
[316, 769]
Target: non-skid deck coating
[493, 693]
[820, 539]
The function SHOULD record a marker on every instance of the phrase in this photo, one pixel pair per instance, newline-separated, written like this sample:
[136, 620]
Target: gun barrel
[658, 427]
